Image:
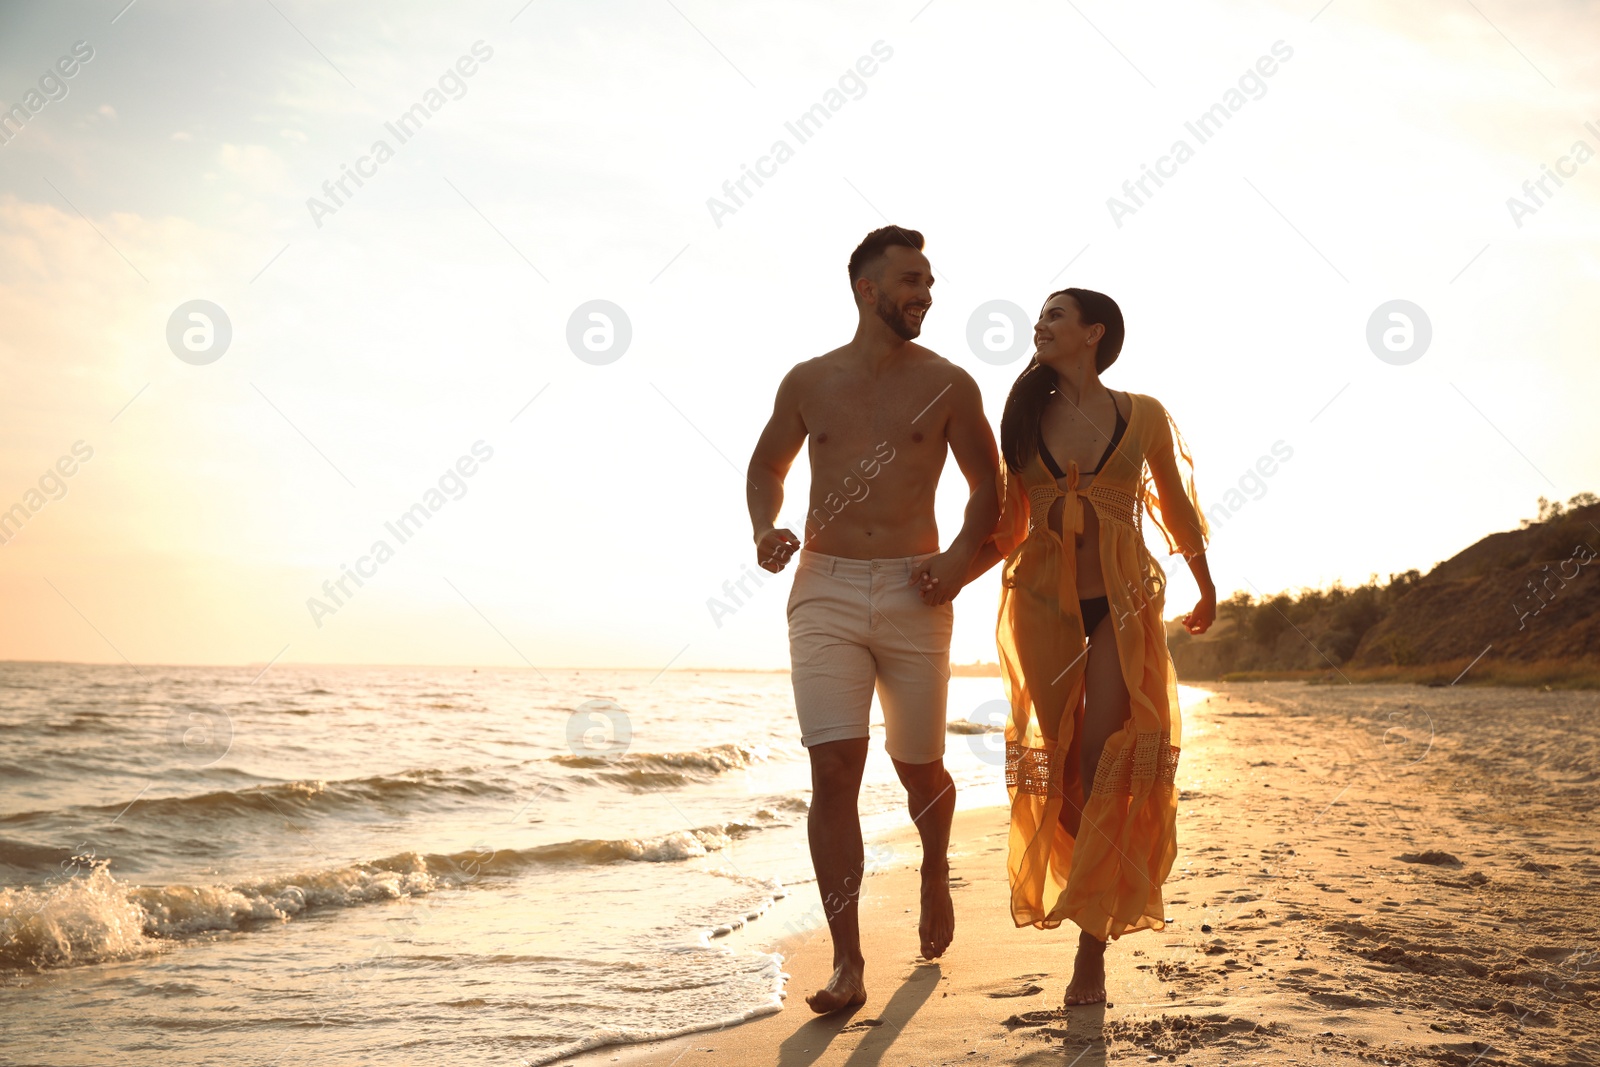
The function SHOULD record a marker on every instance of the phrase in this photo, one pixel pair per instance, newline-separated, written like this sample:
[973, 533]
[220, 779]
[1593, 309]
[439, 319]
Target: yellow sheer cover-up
[1106, 873]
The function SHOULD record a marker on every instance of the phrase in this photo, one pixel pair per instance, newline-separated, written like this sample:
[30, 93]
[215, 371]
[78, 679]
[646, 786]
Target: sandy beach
[1367, 874]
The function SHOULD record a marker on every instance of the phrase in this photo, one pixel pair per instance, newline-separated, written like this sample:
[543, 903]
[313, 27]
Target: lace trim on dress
[1028, 769]
[1040, 498]
[1112, 503]
[1109, 501]
[1153, 759]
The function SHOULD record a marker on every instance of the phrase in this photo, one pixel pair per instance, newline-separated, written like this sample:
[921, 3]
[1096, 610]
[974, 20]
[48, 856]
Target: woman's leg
[1105, 710]
[1105, 705]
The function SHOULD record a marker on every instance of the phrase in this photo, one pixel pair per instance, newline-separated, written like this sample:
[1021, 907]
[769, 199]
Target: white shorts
[859, 624]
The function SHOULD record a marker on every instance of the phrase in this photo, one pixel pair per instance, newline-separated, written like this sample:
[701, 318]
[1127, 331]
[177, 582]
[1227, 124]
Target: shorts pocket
[802, 590]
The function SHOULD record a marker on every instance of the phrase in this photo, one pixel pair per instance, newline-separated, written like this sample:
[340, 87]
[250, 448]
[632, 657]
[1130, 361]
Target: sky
[424, 336]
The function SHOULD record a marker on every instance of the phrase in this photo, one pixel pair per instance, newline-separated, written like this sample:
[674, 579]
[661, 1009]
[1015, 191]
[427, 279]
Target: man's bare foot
[846, 989]
[1088, 985]
[938, 924]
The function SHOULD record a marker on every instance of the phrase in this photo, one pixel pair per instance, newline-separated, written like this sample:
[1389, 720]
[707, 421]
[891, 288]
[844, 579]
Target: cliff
[1520, 606]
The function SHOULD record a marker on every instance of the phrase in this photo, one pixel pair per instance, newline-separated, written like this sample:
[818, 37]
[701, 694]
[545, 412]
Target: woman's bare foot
[938, 923]
[1088, 985]
[846, 989]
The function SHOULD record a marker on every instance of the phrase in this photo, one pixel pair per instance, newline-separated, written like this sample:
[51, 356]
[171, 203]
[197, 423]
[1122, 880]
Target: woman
[1094, 699]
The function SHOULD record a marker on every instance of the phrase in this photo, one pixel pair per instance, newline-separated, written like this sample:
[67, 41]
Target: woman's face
[1060, 338]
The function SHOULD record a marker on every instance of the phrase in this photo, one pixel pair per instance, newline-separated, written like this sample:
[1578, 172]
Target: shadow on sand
[807, 1044]
[1069, 1037]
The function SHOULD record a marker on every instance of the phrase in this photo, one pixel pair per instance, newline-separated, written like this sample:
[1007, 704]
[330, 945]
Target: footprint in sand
[859, 1025]
[1473, 880]
[1432, 856]
[1344, 1000]
[1036, 1018]
[1178, 1035]
[1027, 989]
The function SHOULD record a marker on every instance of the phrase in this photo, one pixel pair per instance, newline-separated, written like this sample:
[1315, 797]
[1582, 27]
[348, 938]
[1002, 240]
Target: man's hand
[939, 578]
[774, 548]
[1204, 614]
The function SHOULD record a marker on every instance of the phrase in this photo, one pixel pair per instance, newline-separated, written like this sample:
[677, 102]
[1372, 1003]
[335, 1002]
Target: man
[870, 605]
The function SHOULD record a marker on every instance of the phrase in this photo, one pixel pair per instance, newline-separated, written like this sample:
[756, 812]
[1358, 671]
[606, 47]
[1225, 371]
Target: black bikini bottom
[1093, 611]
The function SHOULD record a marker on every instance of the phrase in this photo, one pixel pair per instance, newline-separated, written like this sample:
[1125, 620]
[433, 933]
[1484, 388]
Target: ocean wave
[717, 759]
[26, 856]
[95, 917]
[782, 805]
[967, 726]
[304, 797]
[601, 1037]
[643, 772]
[636, 772]
[777, 893]
[13, 771]
[666, 848]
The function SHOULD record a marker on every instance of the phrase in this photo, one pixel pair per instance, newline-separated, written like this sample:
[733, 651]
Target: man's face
[904, 290]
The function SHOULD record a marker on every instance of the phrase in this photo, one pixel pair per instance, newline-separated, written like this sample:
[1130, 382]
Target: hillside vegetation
[1520, 607]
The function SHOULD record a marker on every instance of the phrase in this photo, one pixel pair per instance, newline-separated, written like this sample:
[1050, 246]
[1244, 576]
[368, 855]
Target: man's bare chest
[842, 422]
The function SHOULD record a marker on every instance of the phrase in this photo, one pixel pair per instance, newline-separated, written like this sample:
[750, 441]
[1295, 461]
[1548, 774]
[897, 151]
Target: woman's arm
[1175, 508]
[1204, 614]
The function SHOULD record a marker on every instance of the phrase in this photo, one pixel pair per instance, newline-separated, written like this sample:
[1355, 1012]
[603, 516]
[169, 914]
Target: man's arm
[972, 443]
[780, 442]
[988, 555]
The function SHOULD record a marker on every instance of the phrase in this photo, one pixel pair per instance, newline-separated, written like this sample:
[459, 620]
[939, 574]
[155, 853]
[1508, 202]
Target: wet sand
[1366, 874]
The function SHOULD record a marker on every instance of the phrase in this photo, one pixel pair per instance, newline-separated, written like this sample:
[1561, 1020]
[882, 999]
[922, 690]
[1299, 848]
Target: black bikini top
[1116, 435]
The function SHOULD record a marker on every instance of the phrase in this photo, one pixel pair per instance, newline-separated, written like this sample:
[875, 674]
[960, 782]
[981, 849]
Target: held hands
[940, 578]
[1204, 614]
[774, 548]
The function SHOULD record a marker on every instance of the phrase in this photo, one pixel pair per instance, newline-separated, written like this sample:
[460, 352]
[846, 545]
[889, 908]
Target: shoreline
[1329, 904]
[1545, 675]
[1538, 674]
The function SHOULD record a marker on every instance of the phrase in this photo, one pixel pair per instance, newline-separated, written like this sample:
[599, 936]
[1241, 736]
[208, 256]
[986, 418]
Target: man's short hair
[873, 245]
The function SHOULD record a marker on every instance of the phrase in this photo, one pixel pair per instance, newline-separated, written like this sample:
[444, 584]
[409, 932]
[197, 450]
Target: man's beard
[895, 319]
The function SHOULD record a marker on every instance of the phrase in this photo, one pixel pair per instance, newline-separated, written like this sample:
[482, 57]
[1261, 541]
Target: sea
[311, 865]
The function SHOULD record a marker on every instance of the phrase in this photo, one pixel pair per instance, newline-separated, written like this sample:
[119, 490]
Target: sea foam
[93, 917]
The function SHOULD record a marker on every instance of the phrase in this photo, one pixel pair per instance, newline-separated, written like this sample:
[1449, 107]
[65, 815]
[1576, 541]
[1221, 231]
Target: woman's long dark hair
[1019, 424]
